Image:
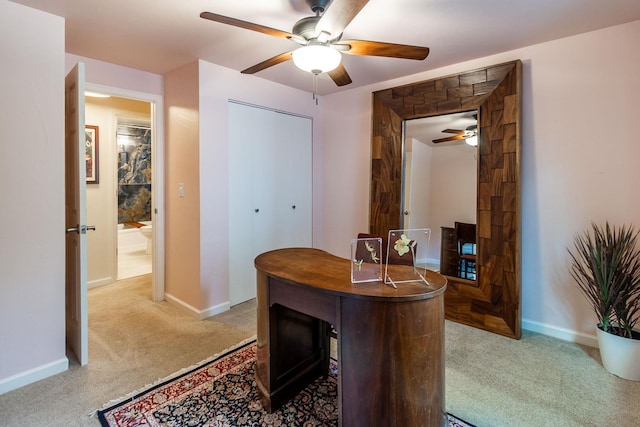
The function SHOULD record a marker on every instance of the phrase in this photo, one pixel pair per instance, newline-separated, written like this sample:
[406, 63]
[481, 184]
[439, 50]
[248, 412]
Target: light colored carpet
[536, 381]
[490, 380]
[132, 343]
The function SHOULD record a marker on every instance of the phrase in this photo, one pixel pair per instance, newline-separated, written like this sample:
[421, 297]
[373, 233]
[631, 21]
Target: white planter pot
[620, 356]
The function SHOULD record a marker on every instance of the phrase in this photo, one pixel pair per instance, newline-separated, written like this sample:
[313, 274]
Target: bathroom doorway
[124, 201]
[134, 188]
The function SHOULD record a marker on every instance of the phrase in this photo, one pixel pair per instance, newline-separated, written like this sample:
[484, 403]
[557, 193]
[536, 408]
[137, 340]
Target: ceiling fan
[470, 134]
[320, 40]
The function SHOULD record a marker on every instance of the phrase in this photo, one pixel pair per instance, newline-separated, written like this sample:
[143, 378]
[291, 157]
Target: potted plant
[606, 267]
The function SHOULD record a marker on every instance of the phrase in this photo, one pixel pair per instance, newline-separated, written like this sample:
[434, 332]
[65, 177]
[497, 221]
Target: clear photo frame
[366, 260]
[408, 247]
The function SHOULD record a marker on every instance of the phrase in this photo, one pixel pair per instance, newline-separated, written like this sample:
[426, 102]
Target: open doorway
[134, 187]
[125, 202]
[120, 131]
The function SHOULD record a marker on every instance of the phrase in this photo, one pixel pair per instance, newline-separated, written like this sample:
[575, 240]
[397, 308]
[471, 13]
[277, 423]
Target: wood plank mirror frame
[493, 301]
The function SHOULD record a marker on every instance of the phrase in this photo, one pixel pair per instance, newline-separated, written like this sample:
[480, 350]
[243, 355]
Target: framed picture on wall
[91, 153]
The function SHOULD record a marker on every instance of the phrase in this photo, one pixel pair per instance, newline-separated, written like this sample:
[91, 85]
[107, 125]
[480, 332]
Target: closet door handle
[256, 210]
[293, 207]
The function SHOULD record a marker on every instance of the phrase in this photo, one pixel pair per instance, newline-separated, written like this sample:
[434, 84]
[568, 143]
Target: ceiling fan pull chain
[315, 87]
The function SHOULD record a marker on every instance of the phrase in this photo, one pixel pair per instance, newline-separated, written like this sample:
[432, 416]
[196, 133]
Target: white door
[263, 169]
[76, 238]
[293, 188]
[243, 210]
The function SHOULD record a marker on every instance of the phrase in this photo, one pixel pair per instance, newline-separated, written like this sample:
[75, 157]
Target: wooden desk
[390, 341]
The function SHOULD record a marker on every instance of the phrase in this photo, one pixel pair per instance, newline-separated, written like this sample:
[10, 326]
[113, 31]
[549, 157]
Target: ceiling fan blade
[246, 25]
[338, 15]
[450, 138]
[456, 131]
[268, 63]
[392, 50]
[340, 76]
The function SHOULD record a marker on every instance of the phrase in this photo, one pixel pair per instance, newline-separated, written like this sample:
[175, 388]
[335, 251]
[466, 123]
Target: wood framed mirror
[492, 302]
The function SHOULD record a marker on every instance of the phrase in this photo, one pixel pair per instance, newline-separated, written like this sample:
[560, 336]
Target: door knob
[81, 229]
[406, 212]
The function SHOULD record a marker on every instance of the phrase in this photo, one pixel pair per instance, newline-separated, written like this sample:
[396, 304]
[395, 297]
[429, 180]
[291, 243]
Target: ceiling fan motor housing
[306, 27]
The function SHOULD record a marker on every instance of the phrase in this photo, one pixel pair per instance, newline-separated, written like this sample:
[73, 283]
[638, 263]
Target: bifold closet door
[242, 120]
[292, 190]
[270, 189]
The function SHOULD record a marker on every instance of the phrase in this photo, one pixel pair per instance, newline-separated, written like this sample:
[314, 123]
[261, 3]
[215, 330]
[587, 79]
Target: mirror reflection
[440, 181]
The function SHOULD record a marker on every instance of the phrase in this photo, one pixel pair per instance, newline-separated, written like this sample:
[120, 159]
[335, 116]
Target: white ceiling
[159, 36]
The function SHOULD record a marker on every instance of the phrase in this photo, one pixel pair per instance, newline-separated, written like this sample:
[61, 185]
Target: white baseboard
[32, 375]
[100, 282]
[561, 333]
[194, 312]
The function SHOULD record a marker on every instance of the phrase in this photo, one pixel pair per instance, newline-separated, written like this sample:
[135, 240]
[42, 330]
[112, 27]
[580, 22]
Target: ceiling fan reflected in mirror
[470, 135]
[320, 40]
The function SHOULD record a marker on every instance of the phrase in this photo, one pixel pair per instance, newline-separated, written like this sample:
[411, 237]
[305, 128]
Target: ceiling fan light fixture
[316, 58]
[472, 141]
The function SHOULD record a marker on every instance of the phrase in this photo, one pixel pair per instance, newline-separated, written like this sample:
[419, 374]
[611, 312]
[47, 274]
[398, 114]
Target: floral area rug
[222, 392]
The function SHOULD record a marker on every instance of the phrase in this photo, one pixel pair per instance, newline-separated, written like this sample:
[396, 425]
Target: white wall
[346, 165]
[417, 185]
[453, 192]
[580, 154]
[579, 161]
[32, 237]
[107, 74]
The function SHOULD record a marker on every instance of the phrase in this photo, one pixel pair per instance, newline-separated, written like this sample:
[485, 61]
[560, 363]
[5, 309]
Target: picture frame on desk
[407, 247]
[366, 263]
